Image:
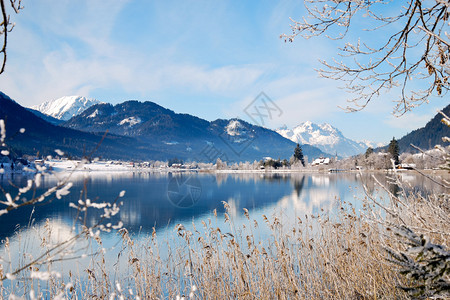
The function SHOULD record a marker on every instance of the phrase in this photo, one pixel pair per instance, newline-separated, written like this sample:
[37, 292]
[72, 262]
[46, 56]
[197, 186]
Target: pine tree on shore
[298, 155]
[368, 152]
[394, 150]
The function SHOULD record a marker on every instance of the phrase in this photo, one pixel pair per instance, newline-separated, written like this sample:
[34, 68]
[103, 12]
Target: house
[321, 161]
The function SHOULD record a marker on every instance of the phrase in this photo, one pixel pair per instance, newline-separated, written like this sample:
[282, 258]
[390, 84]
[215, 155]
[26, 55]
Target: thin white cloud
[313, 105]
[63, 73]
[216, 80]
[60, 69]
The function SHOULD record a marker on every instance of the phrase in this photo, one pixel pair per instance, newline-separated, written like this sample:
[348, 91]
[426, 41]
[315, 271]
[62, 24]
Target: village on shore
[372, 162]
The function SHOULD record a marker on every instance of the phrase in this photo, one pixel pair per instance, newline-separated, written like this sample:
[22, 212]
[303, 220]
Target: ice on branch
[9, 201]
[26, 188]
[64, 190]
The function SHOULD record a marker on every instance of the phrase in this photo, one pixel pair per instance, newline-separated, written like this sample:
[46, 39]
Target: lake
[161, 200]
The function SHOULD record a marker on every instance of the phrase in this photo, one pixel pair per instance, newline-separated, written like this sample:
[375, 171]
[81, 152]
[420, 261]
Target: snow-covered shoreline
[78, 166]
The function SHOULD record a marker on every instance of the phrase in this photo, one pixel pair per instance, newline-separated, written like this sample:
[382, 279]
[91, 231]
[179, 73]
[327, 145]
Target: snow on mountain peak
[306, 125]
[65, 107]
[234, 127]
[328, 128]
[325, 137]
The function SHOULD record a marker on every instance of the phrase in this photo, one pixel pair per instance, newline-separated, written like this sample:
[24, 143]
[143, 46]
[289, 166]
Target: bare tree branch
[411, 45]
[6, 26]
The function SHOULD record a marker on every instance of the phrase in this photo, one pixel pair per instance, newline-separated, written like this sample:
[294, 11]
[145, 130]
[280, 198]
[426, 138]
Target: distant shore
[60, 166]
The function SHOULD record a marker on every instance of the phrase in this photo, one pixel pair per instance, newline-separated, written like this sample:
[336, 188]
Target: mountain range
[151, 123]
[151, 131]
[325, 137]
[143, 131]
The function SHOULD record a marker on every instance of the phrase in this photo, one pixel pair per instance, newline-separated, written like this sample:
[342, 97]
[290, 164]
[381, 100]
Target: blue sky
[206, 58]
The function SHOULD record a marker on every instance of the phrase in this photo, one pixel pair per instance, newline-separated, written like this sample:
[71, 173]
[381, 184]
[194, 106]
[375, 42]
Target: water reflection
[147, 205]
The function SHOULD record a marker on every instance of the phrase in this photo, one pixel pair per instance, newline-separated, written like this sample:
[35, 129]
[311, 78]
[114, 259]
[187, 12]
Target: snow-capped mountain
[325, 137]
[66, 107]
[185, 136]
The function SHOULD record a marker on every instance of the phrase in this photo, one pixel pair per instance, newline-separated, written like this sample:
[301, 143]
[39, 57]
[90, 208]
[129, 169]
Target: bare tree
[403, 42]
[6, 27]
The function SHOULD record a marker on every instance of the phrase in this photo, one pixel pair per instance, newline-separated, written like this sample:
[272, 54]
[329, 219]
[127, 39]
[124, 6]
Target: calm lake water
[162, 200]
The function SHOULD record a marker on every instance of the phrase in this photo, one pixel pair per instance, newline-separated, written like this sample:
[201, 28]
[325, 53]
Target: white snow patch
[94, 114]
[131, 121]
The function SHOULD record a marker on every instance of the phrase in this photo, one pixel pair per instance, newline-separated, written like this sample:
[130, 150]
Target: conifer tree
[368, 152]
[298, 155]
[394, 150]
